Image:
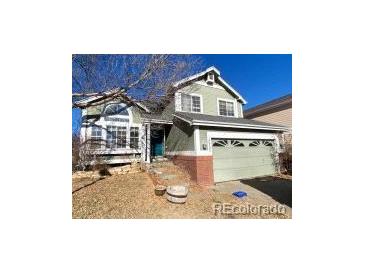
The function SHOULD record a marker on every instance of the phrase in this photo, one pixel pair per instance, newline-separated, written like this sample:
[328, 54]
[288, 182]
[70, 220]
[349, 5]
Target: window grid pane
[226, 108]
[230, 110]
[95, 137]
[195, 103]
[116, 137]
[222, 108]
[185, 102]
[134, 137]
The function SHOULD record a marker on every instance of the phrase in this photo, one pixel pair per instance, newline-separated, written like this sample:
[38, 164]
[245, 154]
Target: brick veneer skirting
[200, 168]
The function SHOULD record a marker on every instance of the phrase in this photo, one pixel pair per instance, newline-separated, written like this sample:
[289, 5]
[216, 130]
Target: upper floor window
[190, 103]
[226, 108]
[116, 109]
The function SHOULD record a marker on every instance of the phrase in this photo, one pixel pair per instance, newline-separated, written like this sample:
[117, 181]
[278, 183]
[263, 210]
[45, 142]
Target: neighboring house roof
[269, 107]
[222, 121]
[220, 80]
[109, 96]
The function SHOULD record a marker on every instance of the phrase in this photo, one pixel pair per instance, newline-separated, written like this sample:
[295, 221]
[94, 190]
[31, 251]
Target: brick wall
[200, 168]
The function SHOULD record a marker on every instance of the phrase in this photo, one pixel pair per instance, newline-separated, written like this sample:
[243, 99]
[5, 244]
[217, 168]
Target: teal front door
[157, 143]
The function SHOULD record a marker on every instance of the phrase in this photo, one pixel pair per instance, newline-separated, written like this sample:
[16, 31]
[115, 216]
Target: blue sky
[258, 77]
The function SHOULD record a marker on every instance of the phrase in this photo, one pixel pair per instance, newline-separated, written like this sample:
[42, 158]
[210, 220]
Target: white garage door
[235, 159]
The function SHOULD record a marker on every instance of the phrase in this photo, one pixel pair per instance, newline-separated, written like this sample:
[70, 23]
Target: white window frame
[179, 104]
[138, 138]
[230, 101]
[103, 124]
[91, 138]
[121, 129]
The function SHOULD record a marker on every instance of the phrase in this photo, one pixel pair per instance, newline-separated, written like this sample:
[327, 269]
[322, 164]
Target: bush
[75, 152]
[286, 159]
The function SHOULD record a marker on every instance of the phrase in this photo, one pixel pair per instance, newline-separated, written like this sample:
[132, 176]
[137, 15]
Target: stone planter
[177, 194]
[160, 190]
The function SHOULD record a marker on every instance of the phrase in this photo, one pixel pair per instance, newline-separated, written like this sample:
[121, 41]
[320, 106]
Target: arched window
[116, 109]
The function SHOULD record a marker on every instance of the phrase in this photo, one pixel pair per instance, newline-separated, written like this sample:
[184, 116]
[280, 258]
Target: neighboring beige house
[277, 111]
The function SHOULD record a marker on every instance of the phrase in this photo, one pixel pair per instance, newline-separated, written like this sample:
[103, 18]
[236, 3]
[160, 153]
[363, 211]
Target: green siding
[203, 138]
[210, 95]
[136, 114]
[96, 110]
[168, 111]
[180, 138]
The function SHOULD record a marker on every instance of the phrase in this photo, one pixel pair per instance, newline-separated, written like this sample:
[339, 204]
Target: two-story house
[201, 129]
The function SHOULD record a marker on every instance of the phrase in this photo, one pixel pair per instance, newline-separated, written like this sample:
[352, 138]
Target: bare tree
[139, 77]
[127, 78]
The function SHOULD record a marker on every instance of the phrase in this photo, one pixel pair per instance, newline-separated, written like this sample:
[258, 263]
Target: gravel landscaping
[132, 196]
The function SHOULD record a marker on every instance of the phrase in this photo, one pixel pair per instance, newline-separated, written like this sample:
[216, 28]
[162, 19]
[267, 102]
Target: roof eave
[232, 90]
[230, 125]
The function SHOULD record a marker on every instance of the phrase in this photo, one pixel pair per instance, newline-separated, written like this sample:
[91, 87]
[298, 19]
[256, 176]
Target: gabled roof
[108, 96]
[221, 121]
[270, 106]
[220, 80]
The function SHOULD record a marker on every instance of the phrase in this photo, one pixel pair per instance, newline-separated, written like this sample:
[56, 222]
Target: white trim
[239, 110]
[219, 78]
[148, 143]
[245, 135]
[115, 161]
[197, 76]
[188, 153]
[230, 101]
[233, 125]
[240, 135]
[196, 139]
[109, 92]
[143, 107]
[157, 121]
[103, 124]
[118, 151]
[215, 85]
[201, 102]
[177, 101]
[232, 89]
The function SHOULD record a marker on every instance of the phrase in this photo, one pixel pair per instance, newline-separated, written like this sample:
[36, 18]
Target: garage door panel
[251, 158]
[244, 163]
[243, 173]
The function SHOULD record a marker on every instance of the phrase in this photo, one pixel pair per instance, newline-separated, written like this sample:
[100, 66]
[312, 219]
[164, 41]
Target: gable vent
[210, 78]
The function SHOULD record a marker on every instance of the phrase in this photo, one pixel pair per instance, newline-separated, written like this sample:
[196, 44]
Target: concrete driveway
[278, 189]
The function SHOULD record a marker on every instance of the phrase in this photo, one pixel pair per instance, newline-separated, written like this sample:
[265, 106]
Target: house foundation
[200, 168]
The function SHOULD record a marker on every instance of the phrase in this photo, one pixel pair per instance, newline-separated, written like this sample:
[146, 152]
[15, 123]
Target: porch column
[146, 149]
[196, 140]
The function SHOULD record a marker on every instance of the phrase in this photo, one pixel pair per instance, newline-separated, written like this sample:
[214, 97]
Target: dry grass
[132, 196]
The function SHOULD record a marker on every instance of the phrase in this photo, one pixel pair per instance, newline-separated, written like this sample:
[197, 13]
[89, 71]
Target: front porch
[154, 141]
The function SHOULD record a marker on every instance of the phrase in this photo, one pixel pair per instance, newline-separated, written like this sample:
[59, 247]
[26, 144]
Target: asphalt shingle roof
[201, 118]
[221, 119]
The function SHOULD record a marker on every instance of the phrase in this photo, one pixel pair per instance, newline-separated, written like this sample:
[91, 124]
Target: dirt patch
[132, 196]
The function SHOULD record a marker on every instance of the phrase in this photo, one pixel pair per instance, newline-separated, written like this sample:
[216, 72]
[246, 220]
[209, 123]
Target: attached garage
[235, 159]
